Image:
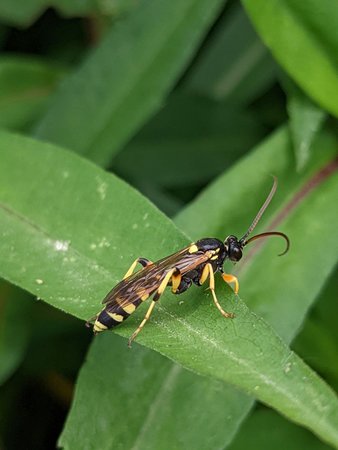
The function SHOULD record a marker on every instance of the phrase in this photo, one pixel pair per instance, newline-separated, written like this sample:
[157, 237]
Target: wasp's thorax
[233, 248]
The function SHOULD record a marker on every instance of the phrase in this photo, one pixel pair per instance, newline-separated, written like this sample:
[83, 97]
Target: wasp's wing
[144, 282]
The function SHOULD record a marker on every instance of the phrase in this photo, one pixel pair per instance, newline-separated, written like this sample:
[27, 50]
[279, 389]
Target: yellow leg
[157, 295]
[143, 261]
[212, 288]
[176, 280]
[139, 328]
[205, 274]
[231, 279]
[164, 283]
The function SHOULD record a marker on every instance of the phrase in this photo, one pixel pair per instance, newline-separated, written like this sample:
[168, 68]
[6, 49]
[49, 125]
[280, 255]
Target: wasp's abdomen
[110, 317]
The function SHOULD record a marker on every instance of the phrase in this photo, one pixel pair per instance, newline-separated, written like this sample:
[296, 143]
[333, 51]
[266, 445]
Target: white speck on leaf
[135, 225]
[287, 367]
[65, 174]
[39, 281]
[61, 246]
[145, 217]
[102, 189]
[104, 243]
[101, 244]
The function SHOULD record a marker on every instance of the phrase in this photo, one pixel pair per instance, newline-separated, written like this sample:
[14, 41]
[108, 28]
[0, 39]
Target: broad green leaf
[68, 239]
[234, 66]
[14, 328]
[190, 132]
[125, 79]
[305, 121]
[148, 402]
[25, 84]
[302, 40]
[265, 430]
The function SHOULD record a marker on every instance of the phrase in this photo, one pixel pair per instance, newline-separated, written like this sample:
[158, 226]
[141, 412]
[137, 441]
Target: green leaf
[14, 328]
[189, 130]
[265, 430]
[304, 40]
[305, 121]
[234, 66]
[69, 237]
[25, 84]
[161, 401]
[317, 342]
[126, 78]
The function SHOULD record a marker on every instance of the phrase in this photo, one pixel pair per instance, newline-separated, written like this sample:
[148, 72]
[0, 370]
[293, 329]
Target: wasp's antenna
[261, 211]
[270, 233]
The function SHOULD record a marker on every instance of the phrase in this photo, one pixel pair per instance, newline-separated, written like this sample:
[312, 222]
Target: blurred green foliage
[195, 104]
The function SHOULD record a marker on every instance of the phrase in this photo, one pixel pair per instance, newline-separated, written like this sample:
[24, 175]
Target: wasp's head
[233, 248]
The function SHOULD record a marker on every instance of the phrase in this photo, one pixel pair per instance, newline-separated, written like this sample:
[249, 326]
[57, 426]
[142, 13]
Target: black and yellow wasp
[193, 264]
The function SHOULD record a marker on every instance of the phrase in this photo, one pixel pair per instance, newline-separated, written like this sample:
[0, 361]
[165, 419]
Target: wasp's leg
[183, 286]
[208, 270]
[158, 293]
[176, 280]
[139, 328]
[231, 279]
[144, 263]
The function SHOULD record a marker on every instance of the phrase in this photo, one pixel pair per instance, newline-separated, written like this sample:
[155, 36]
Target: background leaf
[189, 128]
[305, 121]
[266, 430]
[14, 328]
[125, 79]
[25, 84]
[244, 352]
[319, 335]
[174, 406]
[234, 66]
[293, 32]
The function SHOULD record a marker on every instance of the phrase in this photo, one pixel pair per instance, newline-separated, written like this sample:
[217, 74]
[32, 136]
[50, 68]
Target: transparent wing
[147, 280]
